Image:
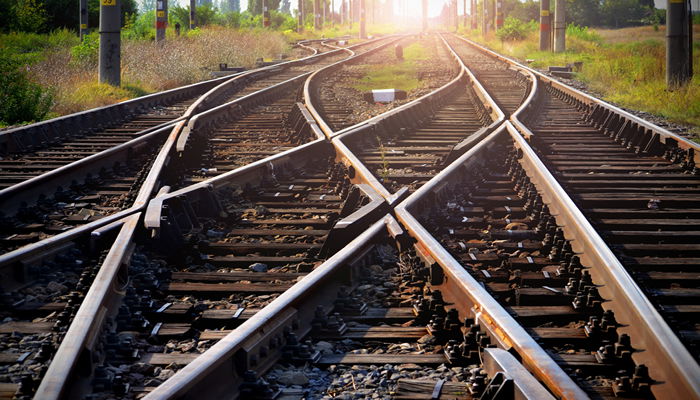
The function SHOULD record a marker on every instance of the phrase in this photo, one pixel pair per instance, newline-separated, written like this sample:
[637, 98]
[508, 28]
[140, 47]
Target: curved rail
[676, 371]
[502, 325]
[411, 111]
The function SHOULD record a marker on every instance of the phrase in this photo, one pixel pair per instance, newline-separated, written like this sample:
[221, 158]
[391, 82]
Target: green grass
[628, 72]
[398, 75]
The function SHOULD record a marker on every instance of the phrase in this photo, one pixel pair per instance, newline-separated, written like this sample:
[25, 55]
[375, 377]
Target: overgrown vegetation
[617, 64]
[21, 100]
[396, 75]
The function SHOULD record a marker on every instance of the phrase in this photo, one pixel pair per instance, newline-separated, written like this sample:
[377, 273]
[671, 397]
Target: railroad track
[251, 127]
[406, 147]
[279, 261]
[494, 223]
[365, 321]
[336, 105]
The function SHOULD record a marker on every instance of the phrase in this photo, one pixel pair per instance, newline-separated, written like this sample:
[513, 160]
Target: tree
[621, 13]
[29, 16]
[285, 9]
[583, 12]
[255, 6]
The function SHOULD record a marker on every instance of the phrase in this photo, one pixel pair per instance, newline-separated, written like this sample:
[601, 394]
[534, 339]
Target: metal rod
[545, 27]
[678, 61]
[110, 42]
[161, 19]
[83, 19]
[560, 26]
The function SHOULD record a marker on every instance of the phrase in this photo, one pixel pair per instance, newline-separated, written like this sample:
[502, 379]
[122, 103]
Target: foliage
[583, 12]
[140, 27]
[21, 100]
[582, 33]
[515, 29]
[527, 10]
[398, 75]
[617, 65]
[179, 15]
[255, 6]
[87, 52]
[29, 16]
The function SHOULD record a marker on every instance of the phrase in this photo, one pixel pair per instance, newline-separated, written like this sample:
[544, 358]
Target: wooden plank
[393, 314]
[423, 389]
[277, 232]
[245, 261]
[235, 276]
[382, 359]
[381, 333]
[169, 358]
[26, 327]
[195, 287]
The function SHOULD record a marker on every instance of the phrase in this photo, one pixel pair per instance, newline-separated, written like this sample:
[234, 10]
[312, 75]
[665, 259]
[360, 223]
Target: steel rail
[675, 370]
[586, 99]
[218, 372]
[210, 96]
[308, 98]
[27, 191]
[412, 109]
[11, 260]
[70, 370]
[94, 118]
[509, 333]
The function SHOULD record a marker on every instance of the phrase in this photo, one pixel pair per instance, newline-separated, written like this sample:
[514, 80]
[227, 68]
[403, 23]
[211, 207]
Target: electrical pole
[161, 19]
[499, 14]
[363, 22]
[323, 13]
[545, 27]
[300, 10]
[193, 13]
[464, 6]
[474, 16]
[332, 12]
[110, 42]
[455, 15]
[266, 14]
[83, 19]
[485, 18]
[560, 26]
[317, 15]
[679, 62]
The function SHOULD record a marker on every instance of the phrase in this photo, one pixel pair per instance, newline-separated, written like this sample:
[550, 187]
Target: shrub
[87, 52]
[583, 33]
[515, 29]
[21, 100]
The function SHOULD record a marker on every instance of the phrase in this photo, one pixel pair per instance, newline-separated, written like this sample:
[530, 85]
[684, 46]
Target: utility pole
[266, 14]
[560, 26]
[317, 15]
[455, 15]
[499, 14]
[332, 12]
[464, 6]
[363, 22]
[545, 27]
[83, 19]
[110, 42]
[300, 10]
[679, 62]
[425, 15]
[474, 16]
[485, 18]
[161, 19]
[193, 14]
[323, 13]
